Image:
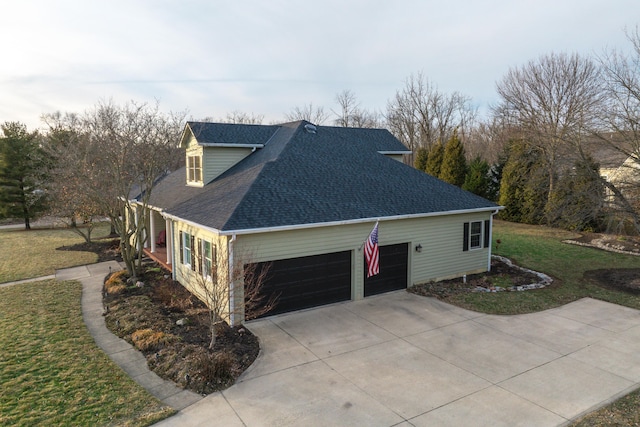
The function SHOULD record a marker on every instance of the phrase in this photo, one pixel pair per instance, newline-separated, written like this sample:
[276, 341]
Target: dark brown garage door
[308, 281]
[393, 270]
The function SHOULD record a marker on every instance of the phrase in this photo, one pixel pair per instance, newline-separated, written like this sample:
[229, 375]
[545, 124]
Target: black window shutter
[487, 233]
[193, 253]
[465, 240]
[181, 249]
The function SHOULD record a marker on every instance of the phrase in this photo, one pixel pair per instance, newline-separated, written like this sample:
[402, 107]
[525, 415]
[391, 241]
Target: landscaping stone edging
[544, 279]
[599, 244]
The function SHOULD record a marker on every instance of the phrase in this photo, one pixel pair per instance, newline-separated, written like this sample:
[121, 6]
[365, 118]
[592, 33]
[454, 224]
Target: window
[476, 236]
[194, 169]
[208, 257]
[186, 250]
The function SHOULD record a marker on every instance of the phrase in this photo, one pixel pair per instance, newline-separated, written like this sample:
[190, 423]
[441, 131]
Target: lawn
[51, 371]
[32, 253]
[541, 249]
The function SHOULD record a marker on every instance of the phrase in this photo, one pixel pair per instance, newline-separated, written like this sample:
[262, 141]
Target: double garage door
[312, 281]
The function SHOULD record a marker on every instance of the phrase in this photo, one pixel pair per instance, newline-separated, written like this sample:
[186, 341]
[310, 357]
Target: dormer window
[194, 169]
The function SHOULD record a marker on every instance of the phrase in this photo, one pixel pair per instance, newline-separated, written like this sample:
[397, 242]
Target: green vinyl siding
[218, 159]
[441, 238]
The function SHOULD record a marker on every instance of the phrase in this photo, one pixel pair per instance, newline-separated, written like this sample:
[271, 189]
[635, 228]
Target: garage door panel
[393, 274]
[307, 282]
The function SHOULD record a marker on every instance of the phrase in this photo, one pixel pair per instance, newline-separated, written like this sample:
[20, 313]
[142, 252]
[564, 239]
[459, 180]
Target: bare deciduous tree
[351, 114]
[70, 186]
[551, 101]
[213, 284]
[315, 115]
[120, 153]
[419, 114]
[619, 125]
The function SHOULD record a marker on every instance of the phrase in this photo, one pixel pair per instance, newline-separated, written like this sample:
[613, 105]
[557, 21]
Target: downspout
[232, 310]
[491, 239]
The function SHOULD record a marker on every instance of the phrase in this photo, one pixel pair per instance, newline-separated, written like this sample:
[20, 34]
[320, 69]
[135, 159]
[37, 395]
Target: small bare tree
[315, 115]
[352, 115]
[71, 158]
[214, 283]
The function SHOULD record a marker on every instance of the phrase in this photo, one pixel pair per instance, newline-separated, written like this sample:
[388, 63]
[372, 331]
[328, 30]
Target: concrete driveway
[401, 359]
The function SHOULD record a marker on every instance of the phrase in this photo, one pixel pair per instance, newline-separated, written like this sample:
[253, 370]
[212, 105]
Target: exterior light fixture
[418, 247]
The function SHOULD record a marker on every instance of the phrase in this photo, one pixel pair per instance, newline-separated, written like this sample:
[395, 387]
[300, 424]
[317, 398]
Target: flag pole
[365, 240]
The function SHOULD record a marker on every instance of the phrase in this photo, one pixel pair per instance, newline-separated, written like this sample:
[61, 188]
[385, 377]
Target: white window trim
[205, 259]
[186, 249]
[480, 235]
[194, 169]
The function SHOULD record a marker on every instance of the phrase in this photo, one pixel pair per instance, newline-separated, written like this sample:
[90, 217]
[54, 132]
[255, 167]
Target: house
[303, 199]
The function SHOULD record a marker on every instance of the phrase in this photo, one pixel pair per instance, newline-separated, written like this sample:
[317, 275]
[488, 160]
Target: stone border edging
[600, 245]
[544, 279]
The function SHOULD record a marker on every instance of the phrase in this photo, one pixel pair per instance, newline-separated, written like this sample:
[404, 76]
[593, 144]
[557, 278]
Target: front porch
[158, 242]
[159, 256]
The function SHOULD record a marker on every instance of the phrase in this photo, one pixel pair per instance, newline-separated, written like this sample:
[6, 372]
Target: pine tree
[578, 201]
[434, 159]
[421, 159]
[454, 163]
[523, 189]
[477, 180]
[22, 173]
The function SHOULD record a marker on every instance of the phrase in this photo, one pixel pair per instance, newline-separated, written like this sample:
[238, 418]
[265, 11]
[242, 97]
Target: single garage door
[308, 281]
[394, 261]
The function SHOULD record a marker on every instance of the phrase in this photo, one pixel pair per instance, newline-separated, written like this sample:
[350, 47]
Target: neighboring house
[304, 199]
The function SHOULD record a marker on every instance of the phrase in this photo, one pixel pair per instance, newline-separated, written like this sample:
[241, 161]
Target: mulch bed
[499, 270]
[149, 318]
[107, 249]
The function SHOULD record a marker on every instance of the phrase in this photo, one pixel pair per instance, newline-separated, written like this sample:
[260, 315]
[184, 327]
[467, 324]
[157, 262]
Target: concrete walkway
[121, 352]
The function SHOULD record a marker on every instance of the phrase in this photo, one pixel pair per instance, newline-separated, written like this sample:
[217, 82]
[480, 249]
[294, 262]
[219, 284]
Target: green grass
[51, 371]
[541, 249]
[32, 253]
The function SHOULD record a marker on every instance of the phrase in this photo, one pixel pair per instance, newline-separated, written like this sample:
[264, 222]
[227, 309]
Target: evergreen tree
[523, 189]
[421, 159]
[434, 159]
[536, 192]
[454, 163]
[477, 180]
[578, 201]
[22, 173]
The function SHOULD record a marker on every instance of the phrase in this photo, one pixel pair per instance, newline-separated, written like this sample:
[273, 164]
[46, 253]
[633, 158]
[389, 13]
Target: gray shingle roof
[336, 174]
[231, 133]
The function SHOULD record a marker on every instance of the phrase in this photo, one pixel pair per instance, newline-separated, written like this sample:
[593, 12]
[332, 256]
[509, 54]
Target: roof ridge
[272, 150]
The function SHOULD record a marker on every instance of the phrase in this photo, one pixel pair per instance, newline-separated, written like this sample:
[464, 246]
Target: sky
[210, 57]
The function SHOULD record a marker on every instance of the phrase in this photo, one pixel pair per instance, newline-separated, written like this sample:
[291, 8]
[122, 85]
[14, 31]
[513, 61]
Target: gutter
[492, 209]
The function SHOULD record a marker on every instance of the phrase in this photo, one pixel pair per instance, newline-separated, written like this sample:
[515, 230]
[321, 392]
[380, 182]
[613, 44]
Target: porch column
[152, 231]
[169, 241]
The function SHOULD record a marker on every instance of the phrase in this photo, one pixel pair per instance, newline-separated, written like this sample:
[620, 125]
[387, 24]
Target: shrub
[116, 283]
[212, 369]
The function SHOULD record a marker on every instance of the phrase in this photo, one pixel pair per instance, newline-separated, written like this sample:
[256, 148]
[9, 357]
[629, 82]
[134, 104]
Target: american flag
[371, 253]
